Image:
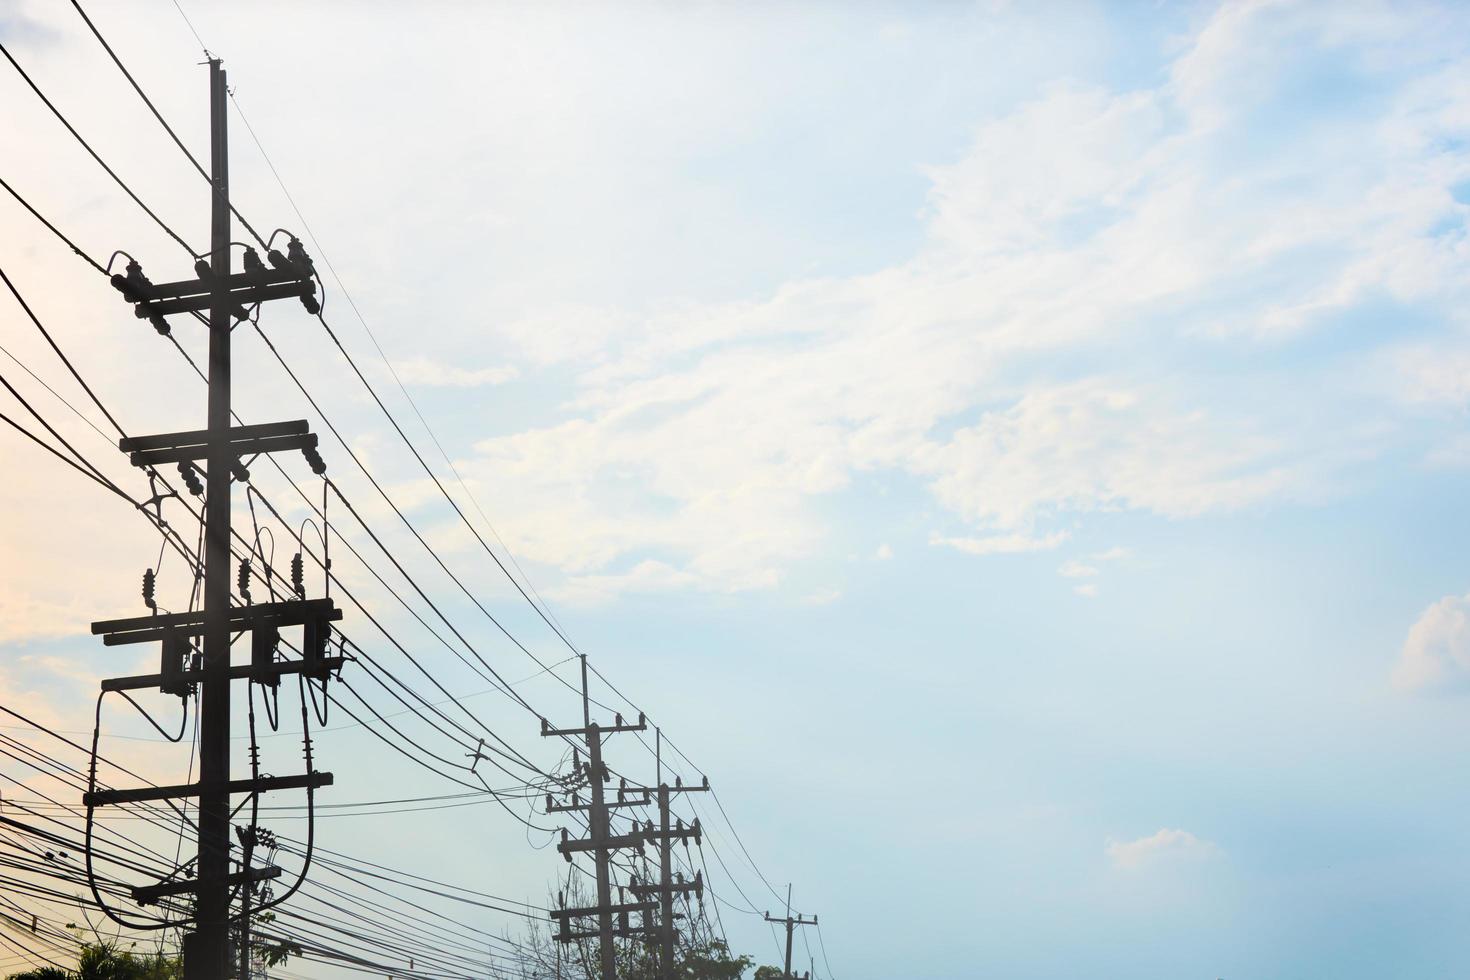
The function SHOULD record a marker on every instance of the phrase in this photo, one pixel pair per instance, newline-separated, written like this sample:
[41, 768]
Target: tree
[108, 961]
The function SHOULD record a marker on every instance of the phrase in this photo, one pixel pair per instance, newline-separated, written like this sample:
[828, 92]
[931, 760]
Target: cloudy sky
[1017, 450]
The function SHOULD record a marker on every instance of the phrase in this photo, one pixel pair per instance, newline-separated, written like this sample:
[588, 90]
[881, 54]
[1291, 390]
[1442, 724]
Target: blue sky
[1017, 450]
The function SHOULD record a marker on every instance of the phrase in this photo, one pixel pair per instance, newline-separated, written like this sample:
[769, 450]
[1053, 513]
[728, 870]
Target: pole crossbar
[149, 894]
[262, 674]
[265, 784]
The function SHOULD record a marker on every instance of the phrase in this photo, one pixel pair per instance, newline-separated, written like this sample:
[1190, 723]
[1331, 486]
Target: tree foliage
[109, 961]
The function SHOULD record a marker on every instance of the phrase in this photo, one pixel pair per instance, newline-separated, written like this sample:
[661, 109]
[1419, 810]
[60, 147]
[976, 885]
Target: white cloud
[1045, 349]
[1088, 589]
[884, 552]
[1087, 567]
[1086, 223]
[1092, 445]
[423, 371]
[1166, 846]
[1436, 651]
[1001, 544]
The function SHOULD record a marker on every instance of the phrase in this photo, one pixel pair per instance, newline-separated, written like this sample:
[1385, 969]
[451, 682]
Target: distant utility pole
[226, 297]
[600, 840]
[667, 887]
[791, 924]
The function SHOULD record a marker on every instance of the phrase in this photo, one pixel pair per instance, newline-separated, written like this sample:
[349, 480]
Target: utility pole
[600, 840]
[220, 446]
[667, 887]
[790, 924]
[210, 947]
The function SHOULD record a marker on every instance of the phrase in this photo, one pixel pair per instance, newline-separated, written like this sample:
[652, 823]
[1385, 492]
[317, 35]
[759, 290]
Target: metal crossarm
[147, 629]
[265, 784]
[203, 286]
[259, 674]
[243, 440]
[601, 845]
[239, 298]
[150, 894]
[200, 437]
[594, 910]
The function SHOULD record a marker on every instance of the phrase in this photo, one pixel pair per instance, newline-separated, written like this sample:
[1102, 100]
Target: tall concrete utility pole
[209, 948]
[182, 672]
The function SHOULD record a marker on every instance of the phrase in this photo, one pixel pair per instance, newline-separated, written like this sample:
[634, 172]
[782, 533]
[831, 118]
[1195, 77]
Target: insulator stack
[296, 254]
[298, 576]
[148, 586]
[314, 460]
[191, 478]
[244, 579]
[253, 266]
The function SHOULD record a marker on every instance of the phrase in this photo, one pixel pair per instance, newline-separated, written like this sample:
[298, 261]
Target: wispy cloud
[1001, 544]
[1165, 846]
[428, 373]
[1088, 222]
[1088, 566]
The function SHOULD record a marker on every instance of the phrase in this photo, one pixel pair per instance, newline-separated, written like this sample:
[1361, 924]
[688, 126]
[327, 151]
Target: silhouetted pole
[790, 924]
[600, 839]
[787, 971]
[207, 958]
[667, 888]
[182, 670]
[666, 891]
[597, 825]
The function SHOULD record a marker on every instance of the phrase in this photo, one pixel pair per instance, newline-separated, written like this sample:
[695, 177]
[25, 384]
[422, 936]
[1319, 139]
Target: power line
[544, 614]
[88, 147]
[162, 121]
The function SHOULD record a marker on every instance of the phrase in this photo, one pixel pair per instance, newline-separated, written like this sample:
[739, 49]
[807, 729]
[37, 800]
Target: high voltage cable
[403, 435]
[75, 374]
[383, 493]
[53, 229]
[161, 121]
[68, 844]
[306, 226]
[200, 373]
[73, 845]
[88, 147]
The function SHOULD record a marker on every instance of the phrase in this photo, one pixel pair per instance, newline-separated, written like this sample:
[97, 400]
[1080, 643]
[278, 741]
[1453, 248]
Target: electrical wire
[88, 147]
[161, 121]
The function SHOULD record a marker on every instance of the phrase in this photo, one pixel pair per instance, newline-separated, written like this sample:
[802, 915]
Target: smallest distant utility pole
[790, 925]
